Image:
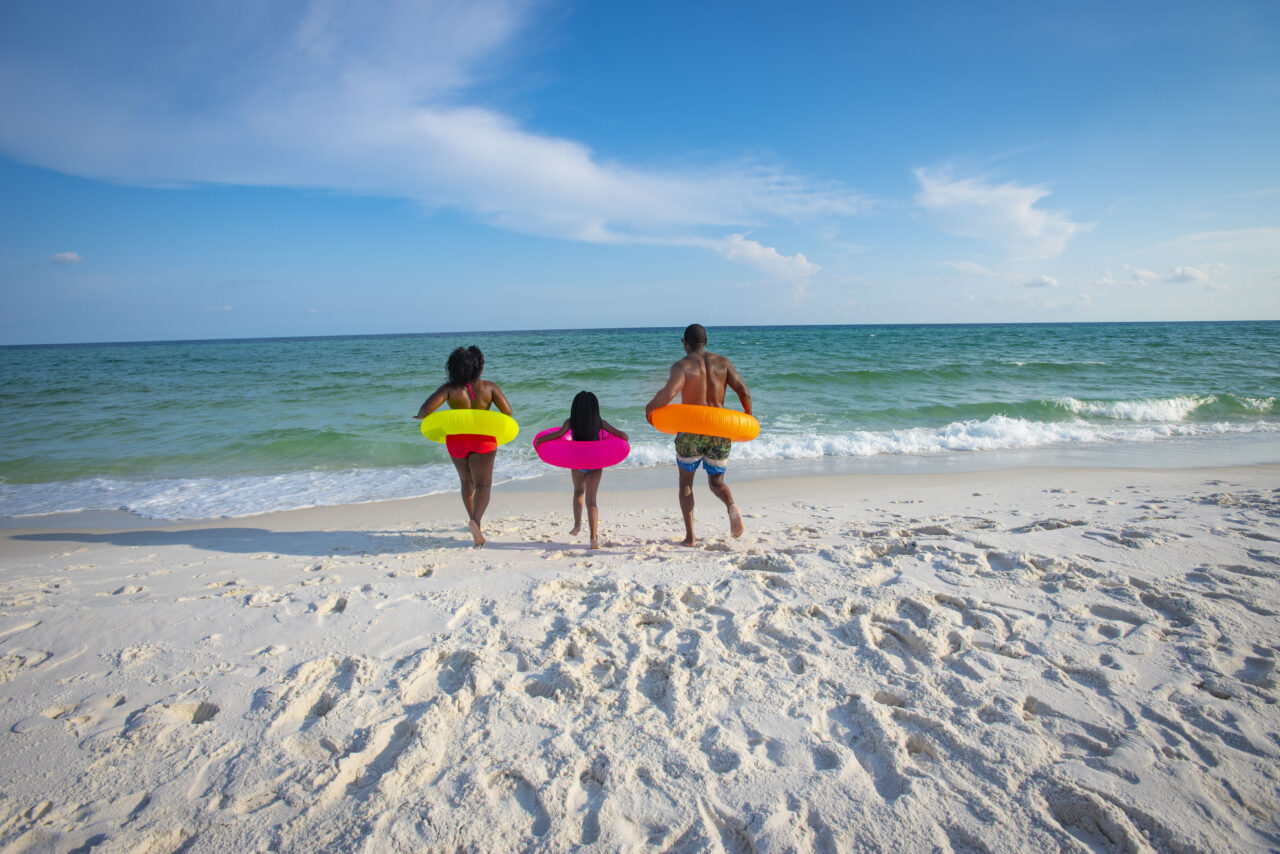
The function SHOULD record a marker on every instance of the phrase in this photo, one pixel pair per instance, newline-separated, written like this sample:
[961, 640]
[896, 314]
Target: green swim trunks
[711, 451]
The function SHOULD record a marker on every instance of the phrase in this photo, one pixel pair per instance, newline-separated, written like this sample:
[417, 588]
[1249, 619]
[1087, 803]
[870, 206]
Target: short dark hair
[695, 333]
[465, 365]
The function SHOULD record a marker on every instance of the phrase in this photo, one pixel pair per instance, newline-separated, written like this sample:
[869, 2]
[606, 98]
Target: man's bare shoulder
[720, 362]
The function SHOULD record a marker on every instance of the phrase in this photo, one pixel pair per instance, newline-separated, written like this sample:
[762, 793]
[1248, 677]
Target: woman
[472, 454]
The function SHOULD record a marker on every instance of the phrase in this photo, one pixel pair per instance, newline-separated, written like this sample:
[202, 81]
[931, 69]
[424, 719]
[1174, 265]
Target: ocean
[205, 429]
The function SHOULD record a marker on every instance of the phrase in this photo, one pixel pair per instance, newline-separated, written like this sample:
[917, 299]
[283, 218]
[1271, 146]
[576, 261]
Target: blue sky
[311, 168]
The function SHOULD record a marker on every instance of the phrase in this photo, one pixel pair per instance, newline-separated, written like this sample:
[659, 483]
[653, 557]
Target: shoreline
[1165, 455]
[1057, 658]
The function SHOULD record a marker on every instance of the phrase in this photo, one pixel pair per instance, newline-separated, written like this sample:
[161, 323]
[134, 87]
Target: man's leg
[686, 505]
[720, 490]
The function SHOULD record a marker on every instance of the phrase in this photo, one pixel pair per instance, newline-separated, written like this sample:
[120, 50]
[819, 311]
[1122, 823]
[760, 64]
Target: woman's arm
[614, 430]
[432, 403]
[564, 428]
[500, 400]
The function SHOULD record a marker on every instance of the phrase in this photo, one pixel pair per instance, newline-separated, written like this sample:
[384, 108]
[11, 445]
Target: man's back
[705, 378]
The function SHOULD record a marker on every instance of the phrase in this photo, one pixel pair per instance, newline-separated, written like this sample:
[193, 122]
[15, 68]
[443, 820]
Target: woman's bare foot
[736, 527]
[689, 541]
[475, 533]
[595, 543]
[573, 532]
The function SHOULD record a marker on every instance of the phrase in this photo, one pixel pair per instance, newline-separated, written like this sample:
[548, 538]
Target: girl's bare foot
[475, 533]
[736, 527]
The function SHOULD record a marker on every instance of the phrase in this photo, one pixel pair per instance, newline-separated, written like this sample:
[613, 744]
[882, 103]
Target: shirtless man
[700, 379]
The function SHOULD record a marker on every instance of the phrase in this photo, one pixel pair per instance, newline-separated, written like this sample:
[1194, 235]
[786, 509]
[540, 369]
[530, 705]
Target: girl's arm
[432, 403]
[614, 430]
[564, 428]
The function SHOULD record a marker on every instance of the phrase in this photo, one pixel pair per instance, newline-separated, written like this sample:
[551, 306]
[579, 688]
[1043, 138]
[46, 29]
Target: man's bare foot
[736, 527]
[573, 532]
[475, 533]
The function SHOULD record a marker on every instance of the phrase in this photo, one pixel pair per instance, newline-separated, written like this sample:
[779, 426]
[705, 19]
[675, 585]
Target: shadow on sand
[259, 540]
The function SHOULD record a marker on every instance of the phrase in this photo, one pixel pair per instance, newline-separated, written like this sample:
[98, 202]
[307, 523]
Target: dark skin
[585, 483]
[700, 379]
[475, 471]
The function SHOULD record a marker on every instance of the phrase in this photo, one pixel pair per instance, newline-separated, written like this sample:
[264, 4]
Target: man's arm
[739, 388]
[666, 394]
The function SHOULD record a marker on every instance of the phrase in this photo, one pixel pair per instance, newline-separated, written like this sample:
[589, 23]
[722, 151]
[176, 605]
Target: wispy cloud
[974, 269]
[1041, 282]
[1002, 214]
[66, 258]
[1139, 277]
[375, 98]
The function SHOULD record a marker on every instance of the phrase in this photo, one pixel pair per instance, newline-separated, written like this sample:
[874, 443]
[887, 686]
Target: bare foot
[595, 544]
[689, 541]
[573, 532]
[735, 521]
[475, 533]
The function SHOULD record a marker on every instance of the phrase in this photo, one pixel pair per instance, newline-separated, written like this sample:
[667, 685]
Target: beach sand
[1035, 659]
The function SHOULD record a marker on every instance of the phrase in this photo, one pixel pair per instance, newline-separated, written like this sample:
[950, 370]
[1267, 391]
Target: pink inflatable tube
[607, 451]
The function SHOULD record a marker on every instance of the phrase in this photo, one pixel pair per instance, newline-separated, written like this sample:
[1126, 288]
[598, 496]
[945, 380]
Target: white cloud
[1003, 214]
[369, 99]
[1041, 282]
[1183, 275]
[794, 267]
[66, 258]
[1202, 275]
[974, 269]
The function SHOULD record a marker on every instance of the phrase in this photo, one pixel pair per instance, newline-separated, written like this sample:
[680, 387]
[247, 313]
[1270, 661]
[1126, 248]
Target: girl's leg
[592, 483]
[481, 467]
[579, 478]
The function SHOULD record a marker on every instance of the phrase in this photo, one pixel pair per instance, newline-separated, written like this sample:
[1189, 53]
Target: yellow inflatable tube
[477, 422]
[707, 420]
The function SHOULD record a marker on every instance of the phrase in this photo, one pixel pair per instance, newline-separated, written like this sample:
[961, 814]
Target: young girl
[586, 425]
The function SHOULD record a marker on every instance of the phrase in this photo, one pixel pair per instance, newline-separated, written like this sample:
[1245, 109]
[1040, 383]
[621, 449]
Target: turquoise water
[217, 428]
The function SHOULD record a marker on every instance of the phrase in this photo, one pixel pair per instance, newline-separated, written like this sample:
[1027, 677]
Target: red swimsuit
[462, 445]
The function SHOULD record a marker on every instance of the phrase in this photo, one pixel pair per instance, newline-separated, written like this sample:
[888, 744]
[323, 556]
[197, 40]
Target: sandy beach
[1035, 659]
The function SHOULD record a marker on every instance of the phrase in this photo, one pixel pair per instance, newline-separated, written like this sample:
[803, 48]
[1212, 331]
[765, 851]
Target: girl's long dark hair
[584, 418]
[464, 365]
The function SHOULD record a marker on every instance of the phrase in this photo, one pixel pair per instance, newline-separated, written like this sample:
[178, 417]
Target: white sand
[1032, 660]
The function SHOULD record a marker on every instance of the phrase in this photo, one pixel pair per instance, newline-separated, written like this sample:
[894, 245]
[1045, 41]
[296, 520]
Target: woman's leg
[592, 479]
[464, 478]
[481, 466]
[579, 490]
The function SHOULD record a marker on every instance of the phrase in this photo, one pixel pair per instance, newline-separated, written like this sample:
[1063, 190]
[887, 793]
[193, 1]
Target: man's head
[695, 336]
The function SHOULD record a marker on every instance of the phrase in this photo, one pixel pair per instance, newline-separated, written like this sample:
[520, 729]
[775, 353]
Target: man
[700, 379]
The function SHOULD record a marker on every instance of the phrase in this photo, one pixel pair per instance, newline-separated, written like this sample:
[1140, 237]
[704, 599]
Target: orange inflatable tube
[707, 420]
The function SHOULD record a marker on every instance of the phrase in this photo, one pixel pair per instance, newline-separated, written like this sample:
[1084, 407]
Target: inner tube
[608, 450]
[706, 420]
[476, 422]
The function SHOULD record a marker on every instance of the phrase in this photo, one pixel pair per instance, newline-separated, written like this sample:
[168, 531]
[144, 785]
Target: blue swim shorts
[712, 452]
